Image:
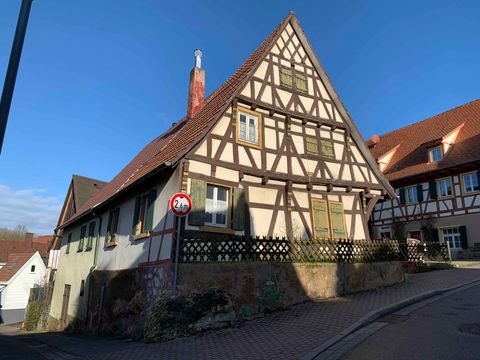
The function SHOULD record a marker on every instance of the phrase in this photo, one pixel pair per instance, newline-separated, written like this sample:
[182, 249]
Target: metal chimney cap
[198, 58]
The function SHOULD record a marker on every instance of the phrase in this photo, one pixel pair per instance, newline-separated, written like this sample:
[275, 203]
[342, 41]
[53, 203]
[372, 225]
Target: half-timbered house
[434, 167]
[272, 152]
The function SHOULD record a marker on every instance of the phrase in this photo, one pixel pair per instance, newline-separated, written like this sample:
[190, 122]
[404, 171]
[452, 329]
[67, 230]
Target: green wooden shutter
[338, 220]
[301, 82]
[321, 227]
[286, 77]
[311, 145]
[152, 195]
[402, 196]
[435, 235]
[327, 148]
[136, 214]
[238, 209]
[419, 193]
[83, 234]
[463, 236]
[432, 189]
[197, 194]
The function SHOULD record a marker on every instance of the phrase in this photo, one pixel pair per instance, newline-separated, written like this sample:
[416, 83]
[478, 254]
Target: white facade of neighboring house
[15, 291]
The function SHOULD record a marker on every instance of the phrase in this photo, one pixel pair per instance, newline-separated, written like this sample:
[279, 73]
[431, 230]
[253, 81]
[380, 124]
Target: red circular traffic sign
[181, 204]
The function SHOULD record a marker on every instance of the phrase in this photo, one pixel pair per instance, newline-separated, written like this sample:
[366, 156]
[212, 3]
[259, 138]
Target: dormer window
[435, 154]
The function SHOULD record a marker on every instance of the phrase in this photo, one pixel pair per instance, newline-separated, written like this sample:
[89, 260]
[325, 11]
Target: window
[83, 234]
[452, 236]
[143, 215]
[415, 234]
[385, 235]
[435, 154]
[248, 126]
[69, 240]
[470, 182]
[411, 195]
[91, 235]
[82, 287]
[444, 187]
[32, 269]
[112, 227]
[216, 206]
[311, 145]
[327, 148]
[291, 78]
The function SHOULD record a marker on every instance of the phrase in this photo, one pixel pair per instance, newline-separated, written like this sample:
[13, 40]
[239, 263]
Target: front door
[64, 314]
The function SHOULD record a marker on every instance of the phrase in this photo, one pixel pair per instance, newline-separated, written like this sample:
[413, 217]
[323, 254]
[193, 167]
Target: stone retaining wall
[259, 287]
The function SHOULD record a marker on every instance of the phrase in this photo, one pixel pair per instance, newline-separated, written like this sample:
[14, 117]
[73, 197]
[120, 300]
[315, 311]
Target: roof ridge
[430, 117]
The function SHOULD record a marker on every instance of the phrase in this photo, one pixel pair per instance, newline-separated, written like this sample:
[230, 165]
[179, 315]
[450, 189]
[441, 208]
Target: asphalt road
[16, 345]
[445, 329]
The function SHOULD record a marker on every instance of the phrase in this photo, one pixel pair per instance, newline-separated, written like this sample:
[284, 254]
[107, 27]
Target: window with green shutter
[91, 235]
[83, 235]
[321, 226]
[293, 79]
[143, 214]
[311, 145]
[337, 218]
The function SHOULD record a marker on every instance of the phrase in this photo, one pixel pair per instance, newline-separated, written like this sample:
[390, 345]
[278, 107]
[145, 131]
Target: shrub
[33, 315]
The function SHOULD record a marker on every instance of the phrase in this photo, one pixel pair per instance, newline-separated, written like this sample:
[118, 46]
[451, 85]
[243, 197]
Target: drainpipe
[93, 267]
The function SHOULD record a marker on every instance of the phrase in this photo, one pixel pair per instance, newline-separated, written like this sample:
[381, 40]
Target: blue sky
[99, 79]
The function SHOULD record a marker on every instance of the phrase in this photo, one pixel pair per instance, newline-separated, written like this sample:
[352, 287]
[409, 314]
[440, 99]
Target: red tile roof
[40, 244]
[411, 158]
[14, 263]
[169, 147]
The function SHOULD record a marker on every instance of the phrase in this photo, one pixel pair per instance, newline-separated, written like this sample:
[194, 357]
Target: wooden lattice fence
[241, 248]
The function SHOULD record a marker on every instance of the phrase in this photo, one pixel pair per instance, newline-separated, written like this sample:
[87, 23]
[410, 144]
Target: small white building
[18, 275]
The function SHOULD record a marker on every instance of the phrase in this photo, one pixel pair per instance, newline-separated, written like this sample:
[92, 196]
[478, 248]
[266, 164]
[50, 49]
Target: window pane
[221, 219]
[210, 191]
[243, 127]
[311, 144]
[222, 194]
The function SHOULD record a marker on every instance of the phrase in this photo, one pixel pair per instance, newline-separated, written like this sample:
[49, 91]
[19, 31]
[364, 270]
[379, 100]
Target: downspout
[92, 268]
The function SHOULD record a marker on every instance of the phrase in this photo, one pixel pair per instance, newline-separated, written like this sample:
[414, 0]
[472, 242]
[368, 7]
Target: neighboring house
[40, 243]
[21, 272]
[434, 166]
[81, 189]
[272, 152]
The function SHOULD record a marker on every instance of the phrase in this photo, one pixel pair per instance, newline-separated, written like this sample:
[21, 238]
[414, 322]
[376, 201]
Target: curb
[375, 314]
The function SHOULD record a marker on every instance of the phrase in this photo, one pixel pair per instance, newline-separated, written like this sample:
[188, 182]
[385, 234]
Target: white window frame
[439, 187]
[411, 198]
[452, 236]
[215, 206]
[473, 179]
[435, 154]
[247, 136]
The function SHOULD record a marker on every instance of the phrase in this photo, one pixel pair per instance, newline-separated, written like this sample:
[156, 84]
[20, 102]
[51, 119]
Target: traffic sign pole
[181, 205]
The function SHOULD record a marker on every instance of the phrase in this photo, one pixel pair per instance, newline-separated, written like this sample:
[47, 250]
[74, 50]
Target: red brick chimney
[28, 239]
[196, 92]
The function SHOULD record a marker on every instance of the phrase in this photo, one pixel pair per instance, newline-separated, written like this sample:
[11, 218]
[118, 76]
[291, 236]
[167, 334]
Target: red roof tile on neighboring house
[40, 244]
[180, 138]
[14, 263]
[411, 157]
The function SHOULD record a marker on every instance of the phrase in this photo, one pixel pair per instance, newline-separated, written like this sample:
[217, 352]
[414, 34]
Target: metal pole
[13, 64]
[177, 250]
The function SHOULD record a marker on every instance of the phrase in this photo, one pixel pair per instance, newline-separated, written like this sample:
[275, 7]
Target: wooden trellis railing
[241, 248]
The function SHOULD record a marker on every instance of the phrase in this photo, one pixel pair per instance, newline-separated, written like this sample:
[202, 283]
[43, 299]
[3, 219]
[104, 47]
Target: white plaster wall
[15, 295]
